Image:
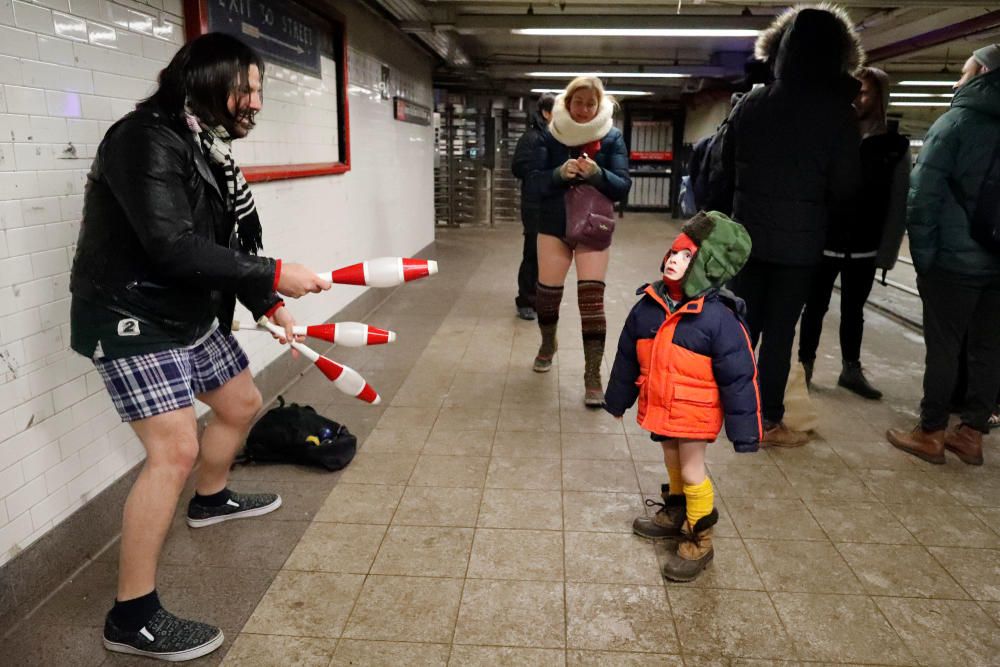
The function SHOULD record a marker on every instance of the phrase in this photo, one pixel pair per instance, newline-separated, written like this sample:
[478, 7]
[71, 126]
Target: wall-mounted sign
[383, 84]
[411, 112]
[661, 156]
[283, 32]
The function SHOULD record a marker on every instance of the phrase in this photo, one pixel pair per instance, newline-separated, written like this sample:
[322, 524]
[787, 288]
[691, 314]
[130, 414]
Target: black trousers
[856, 279]
[957, 307]
[527, 274]
[775, 295]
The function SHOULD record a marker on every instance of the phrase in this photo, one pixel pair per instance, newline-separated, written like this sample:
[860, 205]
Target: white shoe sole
[257, 511]
[177, 656]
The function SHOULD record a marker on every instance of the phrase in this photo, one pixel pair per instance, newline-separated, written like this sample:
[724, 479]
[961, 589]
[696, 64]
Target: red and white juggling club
[344, 378]
[347, 334]
[382, 272]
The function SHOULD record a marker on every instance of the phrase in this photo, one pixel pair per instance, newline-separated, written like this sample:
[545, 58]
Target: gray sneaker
[239, 506]
[164, 637]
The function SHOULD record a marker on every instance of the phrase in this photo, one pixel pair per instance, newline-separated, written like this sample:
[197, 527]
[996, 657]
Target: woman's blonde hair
[591, 82]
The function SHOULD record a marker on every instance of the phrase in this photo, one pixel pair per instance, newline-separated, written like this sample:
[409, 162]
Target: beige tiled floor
[486, 518]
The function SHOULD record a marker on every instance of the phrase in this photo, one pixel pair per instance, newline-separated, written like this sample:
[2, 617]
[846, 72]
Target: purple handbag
[590, 217]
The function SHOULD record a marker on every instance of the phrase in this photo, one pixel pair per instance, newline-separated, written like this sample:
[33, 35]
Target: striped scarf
[217, 145]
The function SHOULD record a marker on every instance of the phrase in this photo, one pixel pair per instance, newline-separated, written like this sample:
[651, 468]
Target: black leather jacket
[156, 242]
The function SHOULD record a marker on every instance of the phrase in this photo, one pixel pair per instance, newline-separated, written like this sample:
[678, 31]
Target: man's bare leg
[171, 442]
[234, 406]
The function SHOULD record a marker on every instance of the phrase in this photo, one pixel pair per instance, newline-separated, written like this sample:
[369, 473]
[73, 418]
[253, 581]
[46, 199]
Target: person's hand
[296, 280]
[569, 170]
[618, 418]
[586, 166]
[283, 318]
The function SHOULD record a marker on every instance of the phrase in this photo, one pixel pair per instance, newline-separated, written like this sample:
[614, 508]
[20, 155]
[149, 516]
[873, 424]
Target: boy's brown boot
[666, 523]
[547, 350]
[966, 443]
[926, 445]
[779, 435]
[593, 353]
[694, 552]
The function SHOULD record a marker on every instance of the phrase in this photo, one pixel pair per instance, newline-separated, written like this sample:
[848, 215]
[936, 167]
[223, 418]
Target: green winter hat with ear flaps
[723, 249]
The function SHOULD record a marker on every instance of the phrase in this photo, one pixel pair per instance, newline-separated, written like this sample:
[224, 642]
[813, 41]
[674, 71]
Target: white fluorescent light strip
[948, 95]
[609, 75]
[609, 92]
[928, 83]
[636, 32]
[920, 104]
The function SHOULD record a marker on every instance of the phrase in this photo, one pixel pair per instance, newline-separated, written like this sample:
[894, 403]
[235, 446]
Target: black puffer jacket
[791, 150]
[529, 142]
[157, 243]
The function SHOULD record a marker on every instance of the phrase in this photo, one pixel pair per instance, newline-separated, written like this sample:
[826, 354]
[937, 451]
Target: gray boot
[547, 350]
[593, 353]
[666, 523]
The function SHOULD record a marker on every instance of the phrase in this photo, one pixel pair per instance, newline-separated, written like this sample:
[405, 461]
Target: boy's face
[677, 264]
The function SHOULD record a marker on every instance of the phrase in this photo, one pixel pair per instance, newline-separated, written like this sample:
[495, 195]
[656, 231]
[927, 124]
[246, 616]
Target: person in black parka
[791, 157]
[867, 241]
[527, 274]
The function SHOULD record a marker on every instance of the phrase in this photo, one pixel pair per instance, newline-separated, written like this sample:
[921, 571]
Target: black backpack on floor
[297, 434]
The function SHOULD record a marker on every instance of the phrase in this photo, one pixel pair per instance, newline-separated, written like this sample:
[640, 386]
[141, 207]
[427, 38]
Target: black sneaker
[239, 506]
[526, 312]
[164, 637]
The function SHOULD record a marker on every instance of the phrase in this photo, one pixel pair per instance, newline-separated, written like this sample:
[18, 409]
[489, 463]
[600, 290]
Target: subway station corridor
[486, 518]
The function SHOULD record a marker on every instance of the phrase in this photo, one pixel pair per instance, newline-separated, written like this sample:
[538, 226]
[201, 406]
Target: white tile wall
[68, 69]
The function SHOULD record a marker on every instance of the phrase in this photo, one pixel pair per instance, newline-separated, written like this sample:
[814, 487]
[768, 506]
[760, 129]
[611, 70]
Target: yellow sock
[699, 500]
[676, 481]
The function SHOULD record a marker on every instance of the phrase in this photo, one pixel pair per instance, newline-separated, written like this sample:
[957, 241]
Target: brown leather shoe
[779, 435]
[926, 445]
[966, 443]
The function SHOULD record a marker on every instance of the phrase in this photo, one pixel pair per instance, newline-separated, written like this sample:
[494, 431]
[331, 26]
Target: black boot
[807, 366]
[666, 523]
[852, 379]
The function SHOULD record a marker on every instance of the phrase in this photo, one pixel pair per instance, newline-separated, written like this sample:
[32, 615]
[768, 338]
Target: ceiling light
[916, 143]
[610, 75]
[609, 92]
[921, 104]
[928, 83]
[921, 94]
[636, 32]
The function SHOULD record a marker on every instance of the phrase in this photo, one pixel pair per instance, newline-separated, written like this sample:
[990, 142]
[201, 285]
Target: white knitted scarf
[568, 132]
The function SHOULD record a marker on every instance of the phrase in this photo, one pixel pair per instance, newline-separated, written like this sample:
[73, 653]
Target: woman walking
[581, 148]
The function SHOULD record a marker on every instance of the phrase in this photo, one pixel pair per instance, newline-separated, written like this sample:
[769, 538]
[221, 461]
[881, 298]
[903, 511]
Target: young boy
[685, 354]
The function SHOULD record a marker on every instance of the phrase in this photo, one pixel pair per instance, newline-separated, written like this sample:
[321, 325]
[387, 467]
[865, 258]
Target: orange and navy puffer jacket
[691, 369]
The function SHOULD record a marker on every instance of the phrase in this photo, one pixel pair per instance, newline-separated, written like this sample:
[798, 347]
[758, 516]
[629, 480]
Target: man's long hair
[203, 73]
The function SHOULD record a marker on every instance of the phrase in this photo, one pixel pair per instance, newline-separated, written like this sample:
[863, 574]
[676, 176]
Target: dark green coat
[958, 147]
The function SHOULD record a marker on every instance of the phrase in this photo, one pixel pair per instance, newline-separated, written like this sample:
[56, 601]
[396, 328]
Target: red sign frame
[196, 24]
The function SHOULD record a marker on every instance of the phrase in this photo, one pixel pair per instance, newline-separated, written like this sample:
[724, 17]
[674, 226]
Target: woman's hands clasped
[581, 167]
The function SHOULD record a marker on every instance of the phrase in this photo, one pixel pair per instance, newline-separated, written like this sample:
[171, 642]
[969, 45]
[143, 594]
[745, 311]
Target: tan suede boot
[666, 523]
[694, 553]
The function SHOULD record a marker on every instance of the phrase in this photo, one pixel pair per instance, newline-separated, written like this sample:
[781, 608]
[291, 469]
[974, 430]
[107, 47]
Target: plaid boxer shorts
[145, 385]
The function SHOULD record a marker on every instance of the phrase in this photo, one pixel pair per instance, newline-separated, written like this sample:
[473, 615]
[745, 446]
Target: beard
[242, 123]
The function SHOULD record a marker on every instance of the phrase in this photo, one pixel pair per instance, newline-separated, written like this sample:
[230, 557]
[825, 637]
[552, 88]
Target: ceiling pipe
[943, 35]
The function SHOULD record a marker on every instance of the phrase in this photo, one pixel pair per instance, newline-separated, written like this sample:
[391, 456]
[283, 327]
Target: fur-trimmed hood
[811, 42]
